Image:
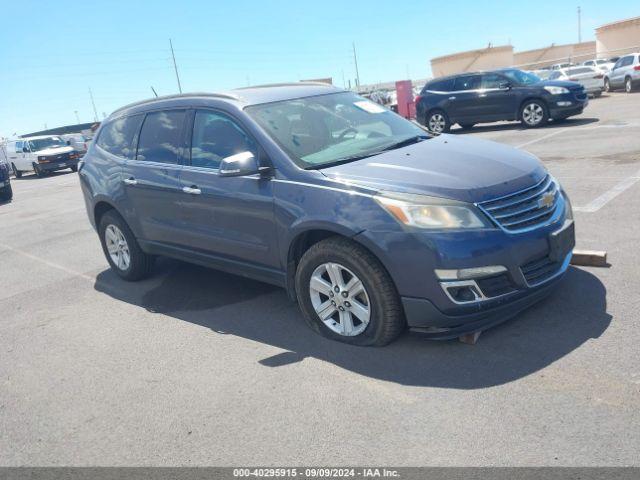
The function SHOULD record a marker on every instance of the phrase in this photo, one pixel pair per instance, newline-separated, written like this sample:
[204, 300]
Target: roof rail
[228, 96]
[289, 84]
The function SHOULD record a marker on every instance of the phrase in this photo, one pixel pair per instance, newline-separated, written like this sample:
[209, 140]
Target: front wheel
[121, 248]
[38, 171]
[607, 85]
[346, 294]
[6, 194]
[438, 122]
[533, 114]
[74, 168]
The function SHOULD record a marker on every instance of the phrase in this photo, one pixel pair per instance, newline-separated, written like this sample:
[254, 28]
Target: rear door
[464, 99]
[151, 178]
[230, 217]
[616, 76]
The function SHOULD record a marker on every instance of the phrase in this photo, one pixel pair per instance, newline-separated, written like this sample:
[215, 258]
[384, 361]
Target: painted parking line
[544, 137]
[610, 194]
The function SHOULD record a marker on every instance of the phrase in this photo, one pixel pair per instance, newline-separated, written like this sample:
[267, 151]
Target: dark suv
[499, 95]
[369, 222]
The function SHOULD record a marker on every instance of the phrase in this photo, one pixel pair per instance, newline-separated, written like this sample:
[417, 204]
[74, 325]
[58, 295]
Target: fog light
[463, 294]
[564, 104]
[469, 273]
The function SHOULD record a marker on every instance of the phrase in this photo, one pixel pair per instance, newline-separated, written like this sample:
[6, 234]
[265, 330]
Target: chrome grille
[525, 209]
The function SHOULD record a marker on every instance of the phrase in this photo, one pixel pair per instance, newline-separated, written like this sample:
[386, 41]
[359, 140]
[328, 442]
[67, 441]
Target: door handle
[193, 190]
[452, 98]
[130, 181]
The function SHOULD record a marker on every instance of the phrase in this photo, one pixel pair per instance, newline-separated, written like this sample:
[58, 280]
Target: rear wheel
[438, 122]
[628, 85]
[346, 294]
[74, 168]
[121, 248]
[533, 113]
[16, 172]
[597, 94]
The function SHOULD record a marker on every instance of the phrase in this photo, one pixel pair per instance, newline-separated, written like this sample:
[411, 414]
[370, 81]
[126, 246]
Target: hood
[55, 151]
[559, 83]
[448, 166]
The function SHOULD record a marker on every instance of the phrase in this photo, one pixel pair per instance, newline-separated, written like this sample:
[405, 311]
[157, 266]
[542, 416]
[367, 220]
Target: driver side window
[216, 136]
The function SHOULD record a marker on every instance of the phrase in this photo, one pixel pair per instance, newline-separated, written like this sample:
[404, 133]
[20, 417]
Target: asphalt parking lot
[197, 367]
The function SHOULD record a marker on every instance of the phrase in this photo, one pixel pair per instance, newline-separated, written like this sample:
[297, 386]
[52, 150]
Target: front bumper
[54, 166]
[567, 104]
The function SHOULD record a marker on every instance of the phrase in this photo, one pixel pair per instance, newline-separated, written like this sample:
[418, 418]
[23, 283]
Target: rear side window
[471, 82]
[216, 136]
[117, 137]
[160, 138]
[441, 85]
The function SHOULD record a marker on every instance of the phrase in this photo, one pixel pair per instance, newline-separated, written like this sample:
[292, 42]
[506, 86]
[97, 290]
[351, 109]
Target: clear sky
[53, 51]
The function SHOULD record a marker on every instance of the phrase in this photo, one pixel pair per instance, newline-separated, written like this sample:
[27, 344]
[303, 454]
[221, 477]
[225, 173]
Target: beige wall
[542, 57]
[473, 60]
[615, 39]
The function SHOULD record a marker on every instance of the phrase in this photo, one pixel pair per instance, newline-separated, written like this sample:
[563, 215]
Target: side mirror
[239, 165]
[25, 149]
[505, 86]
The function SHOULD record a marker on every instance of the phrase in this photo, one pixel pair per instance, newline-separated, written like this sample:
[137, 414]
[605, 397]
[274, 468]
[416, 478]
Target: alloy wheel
[339, 298]
[437, 123]
[117, 247]
[627, 85]
[532, 114]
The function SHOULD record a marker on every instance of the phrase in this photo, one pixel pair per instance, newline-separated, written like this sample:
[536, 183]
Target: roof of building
[619, 23]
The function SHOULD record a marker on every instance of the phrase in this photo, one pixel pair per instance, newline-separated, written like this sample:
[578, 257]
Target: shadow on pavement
[227, 304]
[569, 122]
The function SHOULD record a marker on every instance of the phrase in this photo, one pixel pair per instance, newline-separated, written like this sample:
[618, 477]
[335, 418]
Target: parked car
[624, 74]
[507, 94]
[41, 154]
[589, 77]
[77, 141]
[543, 74]
[6, 192]
[603, 64]
[369, 222]
[558, 66]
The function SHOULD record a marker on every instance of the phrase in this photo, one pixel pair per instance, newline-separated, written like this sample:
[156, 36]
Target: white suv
[624, 74]
[42, 154]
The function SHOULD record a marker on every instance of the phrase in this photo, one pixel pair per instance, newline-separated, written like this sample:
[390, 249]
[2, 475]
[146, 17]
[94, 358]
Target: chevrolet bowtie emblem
[546, 201]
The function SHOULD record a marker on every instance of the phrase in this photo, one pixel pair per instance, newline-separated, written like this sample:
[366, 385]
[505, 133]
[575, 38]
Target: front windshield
[329, 129]
[520, 77]
[38, 144]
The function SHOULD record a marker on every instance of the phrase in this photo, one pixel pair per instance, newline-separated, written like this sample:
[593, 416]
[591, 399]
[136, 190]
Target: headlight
[556, 90]
[568, 210]
[431, 212]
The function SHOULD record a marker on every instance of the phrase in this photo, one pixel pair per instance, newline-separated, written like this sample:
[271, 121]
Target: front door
[151, 178]
[229, 217]
[495, 101]
[464, 99]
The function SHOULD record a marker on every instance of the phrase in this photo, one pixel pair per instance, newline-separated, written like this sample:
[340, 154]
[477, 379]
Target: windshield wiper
[343, 160]
[406, 142]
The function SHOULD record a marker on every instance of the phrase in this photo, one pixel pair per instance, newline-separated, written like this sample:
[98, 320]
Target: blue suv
[369, 222]
[507, 94]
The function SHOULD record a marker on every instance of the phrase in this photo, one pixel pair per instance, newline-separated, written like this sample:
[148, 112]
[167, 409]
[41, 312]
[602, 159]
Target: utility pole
[175, 66]
[355, 60]
[95, 111]
[579, 25]
[77, 117]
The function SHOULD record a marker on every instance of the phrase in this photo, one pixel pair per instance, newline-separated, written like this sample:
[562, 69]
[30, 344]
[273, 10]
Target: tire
[607, 85]
[534, 113]
[375, 313]
[40, 173]
[16, 172]
[628, 85]
[6, 194]
[139, 264]
[467, 126]
[437, 122]
[74, 169]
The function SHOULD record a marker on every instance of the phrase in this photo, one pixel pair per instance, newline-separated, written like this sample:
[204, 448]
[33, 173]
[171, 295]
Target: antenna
[175, 67]
[154, 91]
[579, 25]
